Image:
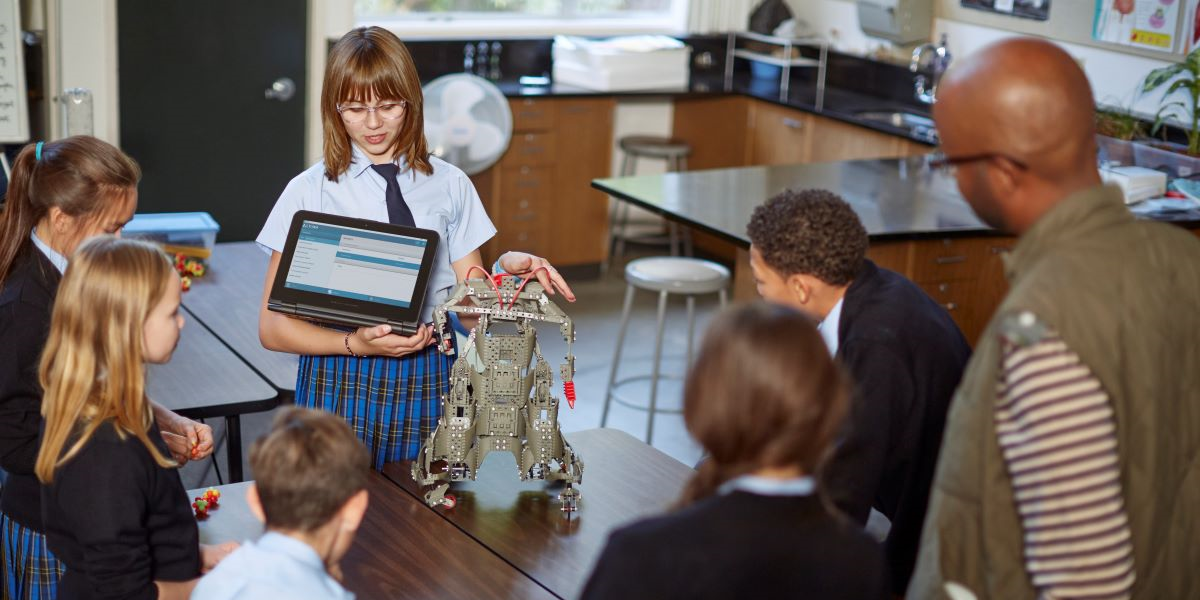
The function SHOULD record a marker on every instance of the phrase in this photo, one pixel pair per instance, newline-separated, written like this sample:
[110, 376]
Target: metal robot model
[490, 406]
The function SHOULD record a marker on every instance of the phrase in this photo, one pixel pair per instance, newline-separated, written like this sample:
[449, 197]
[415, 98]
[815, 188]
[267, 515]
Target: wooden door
[715, 128]
[194, 110]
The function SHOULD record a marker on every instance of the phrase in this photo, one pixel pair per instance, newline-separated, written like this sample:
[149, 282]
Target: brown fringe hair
[372, 61]
[763, 392]
[92, 369]
[80, 175]
[307, 467]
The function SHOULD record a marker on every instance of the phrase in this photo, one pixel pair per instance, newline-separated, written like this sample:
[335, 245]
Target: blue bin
[762, 70]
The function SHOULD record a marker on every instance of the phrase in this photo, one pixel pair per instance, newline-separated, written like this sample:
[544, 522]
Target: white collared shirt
[770, 486]
[271, 568]
[445, 201]
[829, 327]
[58, 260]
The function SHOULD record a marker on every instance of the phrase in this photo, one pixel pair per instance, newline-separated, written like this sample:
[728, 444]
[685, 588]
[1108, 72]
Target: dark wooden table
[623, 479]
[226, 301]
[206, 380]
[402, 549]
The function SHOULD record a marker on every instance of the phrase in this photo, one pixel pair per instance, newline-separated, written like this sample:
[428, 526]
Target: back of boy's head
[811, 232]
[306, 469]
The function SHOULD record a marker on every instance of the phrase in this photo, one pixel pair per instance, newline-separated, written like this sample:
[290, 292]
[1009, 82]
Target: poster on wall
[1191, 26]
[1149, 24]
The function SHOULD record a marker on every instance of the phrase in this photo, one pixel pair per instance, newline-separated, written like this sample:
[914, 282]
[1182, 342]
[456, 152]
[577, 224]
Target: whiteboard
[14, 110]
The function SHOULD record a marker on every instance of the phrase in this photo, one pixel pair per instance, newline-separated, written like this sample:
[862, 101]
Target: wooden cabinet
[739, 131]
[778, 135]
[539, 194]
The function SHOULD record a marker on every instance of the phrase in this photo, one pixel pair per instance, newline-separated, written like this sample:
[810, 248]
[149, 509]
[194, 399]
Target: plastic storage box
[190, 233]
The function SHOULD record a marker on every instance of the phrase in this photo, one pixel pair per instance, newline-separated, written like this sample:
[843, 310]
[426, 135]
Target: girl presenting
[377, 166]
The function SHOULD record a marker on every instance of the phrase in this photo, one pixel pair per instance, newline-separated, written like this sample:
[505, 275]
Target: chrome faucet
[936, 67]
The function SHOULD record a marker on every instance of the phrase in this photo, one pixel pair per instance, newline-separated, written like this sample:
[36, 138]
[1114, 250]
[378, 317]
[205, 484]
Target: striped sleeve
[1057, 433]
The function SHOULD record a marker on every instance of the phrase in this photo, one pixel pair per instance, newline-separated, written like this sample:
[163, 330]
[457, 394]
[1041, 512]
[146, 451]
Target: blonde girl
[116, 512]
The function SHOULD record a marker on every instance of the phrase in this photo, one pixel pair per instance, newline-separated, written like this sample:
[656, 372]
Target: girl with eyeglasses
[387, 386]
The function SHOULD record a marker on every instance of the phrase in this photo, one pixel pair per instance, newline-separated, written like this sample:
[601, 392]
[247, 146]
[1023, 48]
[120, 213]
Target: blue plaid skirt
[393, 404]
[30, 571]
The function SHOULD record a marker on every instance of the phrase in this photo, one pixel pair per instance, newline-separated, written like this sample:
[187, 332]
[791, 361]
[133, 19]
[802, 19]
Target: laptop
[354, 272]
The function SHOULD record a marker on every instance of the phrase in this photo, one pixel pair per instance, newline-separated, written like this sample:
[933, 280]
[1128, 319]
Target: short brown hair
[366, 61]
[763, 392]
[813, 232]
[306, 468]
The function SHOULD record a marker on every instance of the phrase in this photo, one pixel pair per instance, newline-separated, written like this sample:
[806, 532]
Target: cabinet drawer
[532, 115]
[530, 149]
[956, 258]
[952, 295]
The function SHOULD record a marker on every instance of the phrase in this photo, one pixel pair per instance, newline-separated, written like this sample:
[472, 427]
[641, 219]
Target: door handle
[281, 89]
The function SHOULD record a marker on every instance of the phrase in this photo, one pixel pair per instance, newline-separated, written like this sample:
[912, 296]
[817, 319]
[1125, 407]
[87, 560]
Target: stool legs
[612, 373]
[658, 343]
[691, 316]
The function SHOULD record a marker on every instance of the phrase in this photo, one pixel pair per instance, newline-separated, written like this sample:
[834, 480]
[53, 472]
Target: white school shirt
[828, 328]
[58, 260]
[273, 567]
[445, 202]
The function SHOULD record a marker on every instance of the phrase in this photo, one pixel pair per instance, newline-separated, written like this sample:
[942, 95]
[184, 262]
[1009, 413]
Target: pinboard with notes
[14, 112]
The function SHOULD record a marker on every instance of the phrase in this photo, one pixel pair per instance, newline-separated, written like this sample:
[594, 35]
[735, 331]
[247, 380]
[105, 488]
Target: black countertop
[896, 198]
[840, 104]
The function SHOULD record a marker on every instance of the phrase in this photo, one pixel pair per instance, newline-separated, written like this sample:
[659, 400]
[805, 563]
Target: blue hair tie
[37, 151]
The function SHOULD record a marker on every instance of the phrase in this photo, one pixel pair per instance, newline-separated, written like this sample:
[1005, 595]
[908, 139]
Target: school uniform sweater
[118, 521]
[741, 545]
[26, 299]
[905, 356]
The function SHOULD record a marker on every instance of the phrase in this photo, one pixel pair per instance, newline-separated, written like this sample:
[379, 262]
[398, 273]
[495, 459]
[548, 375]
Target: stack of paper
[1138, 183]
[641, 62]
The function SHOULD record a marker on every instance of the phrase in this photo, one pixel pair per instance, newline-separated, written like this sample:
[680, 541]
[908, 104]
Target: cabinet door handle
[999, 249]
[523, 204]
[793, 123]
[943, 287]
[950, 305]
[949, 260]
[524, 217]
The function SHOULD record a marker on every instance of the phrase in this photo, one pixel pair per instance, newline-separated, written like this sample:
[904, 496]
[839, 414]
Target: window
[653, 13]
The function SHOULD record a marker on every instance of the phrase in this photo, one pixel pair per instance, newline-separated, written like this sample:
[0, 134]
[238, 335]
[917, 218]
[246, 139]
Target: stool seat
[654, 146]
[677, 275]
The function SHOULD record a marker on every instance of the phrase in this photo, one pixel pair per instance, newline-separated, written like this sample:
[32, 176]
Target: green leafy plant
[1119, 123]
[1181, 76]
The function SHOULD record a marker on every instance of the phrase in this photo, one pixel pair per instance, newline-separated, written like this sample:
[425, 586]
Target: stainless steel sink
[919, 126]
[896, 118]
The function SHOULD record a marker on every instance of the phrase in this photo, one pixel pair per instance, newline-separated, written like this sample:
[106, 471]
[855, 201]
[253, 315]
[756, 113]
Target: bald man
[1070, 465]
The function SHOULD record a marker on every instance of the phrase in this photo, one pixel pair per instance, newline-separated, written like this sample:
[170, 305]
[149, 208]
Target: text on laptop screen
[355, 263]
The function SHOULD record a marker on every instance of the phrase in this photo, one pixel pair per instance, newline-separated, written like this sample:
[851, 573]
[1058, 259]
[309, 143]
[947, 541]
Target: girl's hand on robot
[522, 264]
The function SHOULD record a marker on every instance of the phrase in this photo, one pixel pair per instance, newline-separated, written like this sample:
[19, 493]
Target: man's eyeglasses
[939, 161]
[357, 113]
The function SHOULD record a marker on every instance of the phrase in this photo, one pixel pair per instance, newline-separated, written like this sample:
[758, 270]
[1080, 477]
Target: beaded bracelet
[346, 340]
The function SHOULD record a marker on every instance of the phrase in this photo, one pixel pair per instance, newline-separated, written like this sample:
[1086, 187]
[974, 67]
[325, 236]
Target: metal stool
[666, 275]
[675, 153]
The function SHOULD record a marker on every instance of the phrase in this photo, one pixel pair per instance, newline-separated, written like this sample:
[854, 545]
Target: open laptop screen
[352, 271]
[355, 263]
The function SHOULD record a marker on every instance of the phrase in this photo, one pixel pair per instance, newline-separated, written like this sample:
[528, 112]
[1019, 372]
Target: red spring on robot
[569, 391]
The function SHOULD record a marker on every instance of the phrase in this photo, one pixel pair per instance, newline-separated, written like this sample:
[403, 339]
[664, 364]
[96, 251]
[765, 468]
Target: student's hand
[523, 263]
[188, 439]
[211, 554]
[380, 341]
[179, 446]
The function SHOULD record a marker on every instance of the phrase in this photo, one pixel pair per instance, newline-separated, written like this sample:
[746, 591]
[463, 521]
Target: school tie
[398, 212]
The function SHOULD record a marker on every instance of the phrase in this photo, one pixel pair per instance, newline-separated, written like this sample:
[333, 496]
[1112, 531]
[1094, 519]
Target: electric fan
[467, 121]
